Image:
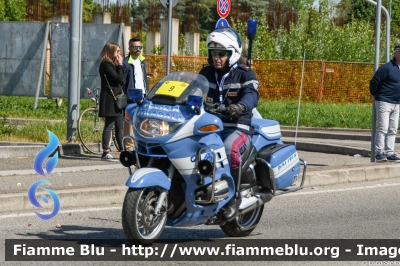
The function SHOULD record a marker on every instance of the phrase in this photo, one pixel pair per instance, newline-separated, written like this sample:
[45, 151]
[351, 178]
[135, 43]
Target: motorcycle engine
[221, 190]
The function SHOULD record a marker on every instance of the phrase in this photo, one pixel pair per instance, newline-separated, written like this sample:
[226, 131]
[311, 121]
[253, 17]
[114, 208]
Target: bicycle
[90, 125]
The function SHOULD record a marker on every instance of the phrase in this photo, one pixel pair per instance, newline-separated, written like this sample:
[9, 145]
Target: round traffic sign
[223, 8]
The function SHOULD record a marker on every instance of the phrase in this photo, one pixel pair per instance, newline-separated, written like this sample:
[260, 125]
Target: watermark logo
[50, 165]
[43, 154]
[32, 197]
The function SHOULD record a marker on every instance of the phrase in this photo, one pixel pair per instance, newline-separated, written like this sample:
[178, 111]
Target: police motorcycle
[179, 171]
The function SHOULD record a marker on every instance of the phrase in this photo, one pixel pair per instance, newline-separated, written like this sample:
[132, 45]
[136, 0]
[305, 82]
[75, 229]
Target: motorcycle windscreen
[176, 87]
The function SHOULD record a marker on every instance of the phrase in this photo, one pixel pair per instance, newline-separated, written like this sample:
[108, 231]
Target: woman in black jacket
[112, 73]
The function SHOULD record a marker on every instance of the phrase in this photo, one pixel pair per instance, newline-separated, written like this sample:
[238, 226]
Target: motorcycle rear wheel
[243, 224]
[139, 223]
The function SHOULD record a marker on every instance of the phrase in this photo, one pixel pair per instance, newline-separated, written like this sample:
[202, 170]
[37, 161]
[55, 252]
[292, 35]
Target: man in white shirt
[136, 78]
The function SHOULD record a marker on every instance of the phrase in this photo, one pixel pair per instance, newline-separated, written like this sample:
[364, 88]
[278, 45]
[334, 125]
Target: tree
[12, 10]
[139, 10]
[88, 8]
[362, 10]
[314, 33]
[344, 11]
[208, 17]
[395, 21]
[349, 10]
[264, 45]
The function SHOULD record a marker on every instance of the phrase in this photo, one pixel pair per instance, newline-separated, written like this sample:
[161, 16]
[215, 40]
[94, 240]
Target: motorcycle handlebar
[217, 111]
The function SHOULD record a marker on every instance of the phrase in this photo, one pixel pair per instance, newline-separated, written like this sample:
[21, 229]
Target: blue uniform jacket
[240, 86]
[385, 85]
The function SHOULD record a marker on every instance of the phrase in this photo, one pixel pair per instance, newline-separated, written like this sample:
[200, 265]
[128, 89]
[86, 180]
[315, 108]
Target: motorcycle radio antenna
[301, 89]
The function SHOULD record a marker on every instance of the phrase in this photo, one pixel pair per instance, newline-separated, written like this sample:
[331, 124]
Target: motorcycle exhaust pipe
[250, 205]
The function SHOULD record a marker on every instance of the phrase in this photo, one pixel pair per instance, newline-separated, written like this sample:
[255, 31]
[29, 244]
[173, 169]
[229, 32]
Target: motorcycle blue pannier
[284, 162]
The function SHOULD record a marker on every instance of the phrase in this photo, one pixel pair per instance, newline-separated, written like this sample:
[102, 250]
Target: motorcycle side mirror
[135, 94]
[196, 102]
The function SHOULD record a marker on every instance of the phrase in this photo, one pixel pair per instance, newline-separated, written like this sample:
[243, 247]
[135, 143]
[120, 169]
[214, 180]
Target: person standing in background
[135, 78]
[385, 91]
[112, 73]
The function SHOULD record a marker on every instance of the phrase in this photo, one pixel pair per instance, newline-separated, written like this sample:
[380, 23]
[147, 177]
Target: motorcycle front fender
[148, 177]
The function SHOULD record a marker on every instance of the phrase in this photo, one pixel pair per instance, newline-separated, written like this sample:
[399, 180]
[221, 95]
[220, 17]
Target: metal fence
[30, 59]
[21, 57]
[333, 82]
[34, 55]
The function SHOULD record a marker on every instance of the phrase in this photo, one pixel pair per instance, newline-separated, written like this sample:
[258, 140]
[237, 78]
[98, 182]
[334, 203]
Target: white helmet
[225, 38]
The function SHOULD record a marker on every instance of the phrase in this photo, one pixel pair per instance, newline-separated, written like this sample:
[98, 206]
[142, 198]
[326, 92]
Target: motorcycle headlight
[150, 127]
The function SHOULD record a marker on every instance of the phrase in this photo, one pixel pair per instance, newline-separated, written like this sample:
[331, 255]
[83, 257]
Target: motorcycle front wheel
[243, 224]
[140, 224]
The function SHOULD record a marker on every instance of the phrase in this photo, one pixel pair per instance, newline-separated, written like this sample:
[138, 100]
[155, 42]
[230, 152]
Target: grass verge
[311, 115]
[318, 114]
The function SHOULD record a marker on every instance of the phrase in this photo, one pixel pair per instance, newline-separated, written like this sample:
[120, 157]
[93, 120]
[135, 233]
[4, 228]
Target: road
[367, 210]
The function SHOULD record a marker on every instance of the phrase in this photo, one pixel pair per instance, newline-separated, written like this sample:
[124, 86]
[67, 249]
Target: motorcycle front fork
[164, 192]
[160, 202]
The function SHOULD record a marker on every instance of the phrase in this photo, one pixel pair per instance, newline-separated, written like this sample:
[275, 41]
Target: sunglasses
[219, 54]
[137, 47]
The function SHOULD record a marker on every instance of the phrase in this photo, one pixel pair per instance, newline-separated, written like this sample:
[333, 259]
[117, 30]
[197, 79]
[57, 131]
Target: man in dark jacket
[235, 86]
[385, 91]
[135, 78]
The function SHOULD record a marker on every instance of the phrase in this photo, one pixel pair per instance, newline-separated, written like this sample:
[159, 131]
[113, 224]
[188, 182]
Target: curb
[328, 148]
[22, 121]
[330, 135]
[328, 129]
[65, 169]
[12, 150]
[326, 135]
[103, 196]
[18, 149]
[81, 197]
[31, 149]
[375, 171]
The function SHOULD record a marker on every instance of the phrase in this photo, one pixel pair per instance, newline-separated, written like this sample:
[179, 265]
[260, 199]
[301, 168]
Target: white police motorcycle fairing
[182, 175]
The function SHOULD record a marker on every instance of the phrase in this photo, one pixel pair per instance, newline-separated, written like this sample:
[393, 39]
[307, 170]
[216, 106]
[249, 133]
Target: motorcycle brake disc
[149, 219]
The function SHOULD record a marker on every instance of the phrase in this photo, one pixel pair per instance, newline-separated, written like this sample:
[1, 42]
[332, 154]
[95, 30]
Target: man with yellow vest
[136, 78]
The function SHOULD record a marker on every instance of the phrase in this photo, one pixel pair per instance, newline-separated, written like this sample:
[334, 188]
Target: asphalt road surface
[368, 210]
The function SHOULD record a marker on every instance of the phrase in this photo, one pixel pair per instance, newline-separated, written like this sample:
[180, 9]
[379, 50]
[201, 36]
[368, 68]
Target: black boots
[231, 209]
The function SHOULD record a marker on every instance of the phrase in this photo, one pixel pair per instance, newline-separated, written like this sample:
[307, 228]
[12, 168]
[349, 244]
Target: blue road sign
[222, 23]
